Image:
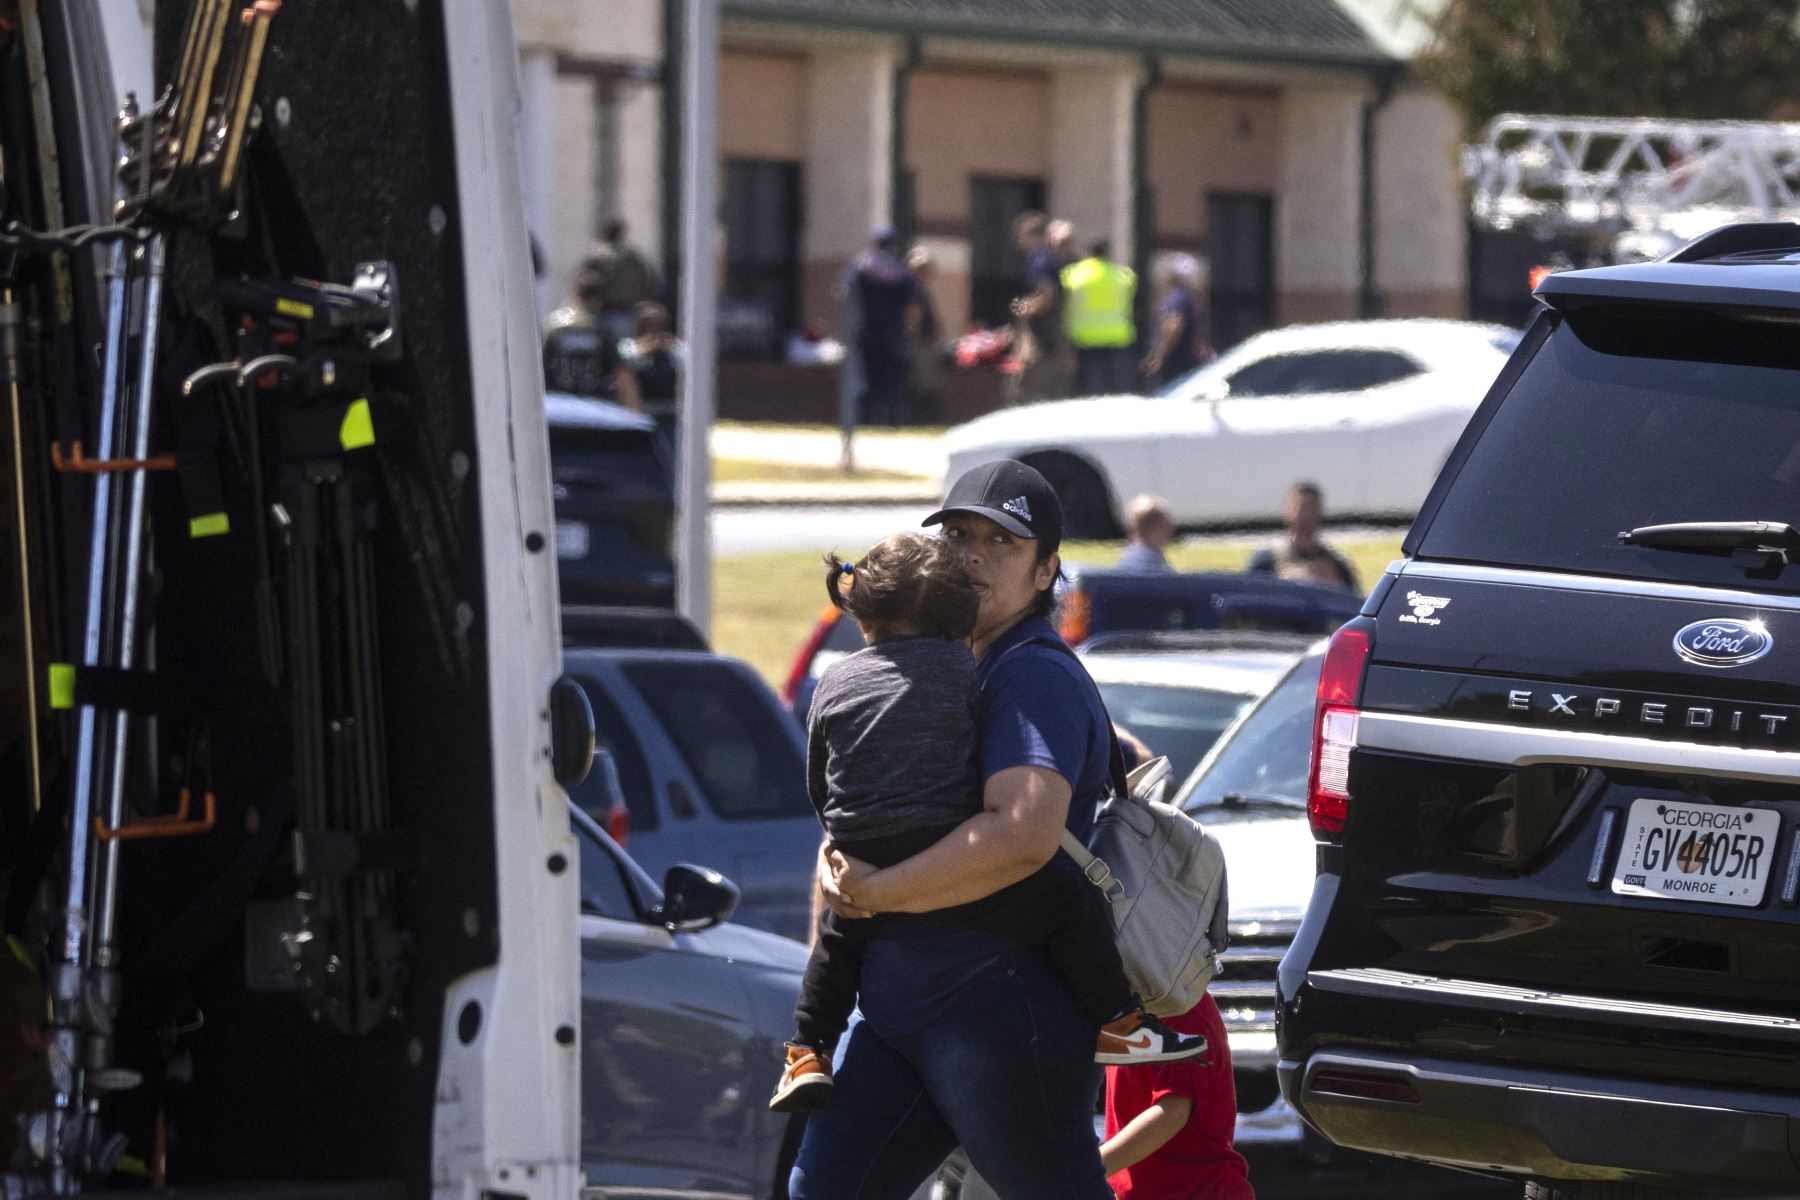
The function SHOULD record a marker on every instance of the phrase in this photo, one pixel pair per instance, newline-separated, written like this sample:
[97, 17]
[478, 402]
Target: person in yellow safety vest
[1097, 303]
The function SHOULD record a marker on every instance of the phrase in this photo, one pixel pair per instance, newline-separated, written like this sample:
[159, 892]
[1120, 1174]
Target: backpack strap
[1096, 870]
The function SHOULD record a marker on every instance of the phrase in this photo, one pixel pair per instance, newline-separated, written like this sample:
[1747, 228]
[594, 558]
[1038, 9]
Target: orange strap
[176, 824]
[80, 464]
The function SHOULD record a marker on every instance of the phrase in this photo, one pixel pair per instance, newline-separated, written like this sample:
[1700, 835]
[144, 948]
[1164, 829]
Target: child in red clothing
[1169, 1125]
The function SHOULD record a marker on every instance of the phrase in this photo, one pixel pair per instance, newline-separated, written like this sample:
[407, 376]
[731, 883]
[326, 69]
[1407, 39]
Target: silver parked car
[1250, 793]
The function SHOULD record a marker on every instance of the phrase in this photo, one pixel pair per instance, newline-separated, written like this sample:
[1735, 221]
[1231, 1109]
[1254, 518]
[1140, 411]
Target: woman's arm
[1018, 831]
[625, 381]
[1145, 1134]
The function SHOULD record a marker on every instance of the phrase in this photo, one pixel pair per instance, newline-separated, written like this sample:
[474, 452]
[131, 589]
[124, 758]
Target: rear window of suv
[611, 457]
[1631, 416]
[732, 733]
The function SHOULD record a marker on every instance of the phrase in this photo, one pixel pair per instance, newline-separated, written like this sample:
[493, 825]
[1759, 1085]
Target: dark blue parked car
[614, 490]
[681, 1033]
[710, 768]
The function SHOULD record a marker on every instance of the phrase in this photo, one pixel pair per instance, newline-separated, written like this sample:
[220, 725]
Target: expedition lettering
[1650, 712]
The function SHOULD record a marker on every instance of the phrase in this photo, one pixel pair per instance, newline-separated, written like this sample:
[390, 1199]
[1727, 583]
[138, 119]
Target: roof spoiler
[1702, 281]
[1746, 237]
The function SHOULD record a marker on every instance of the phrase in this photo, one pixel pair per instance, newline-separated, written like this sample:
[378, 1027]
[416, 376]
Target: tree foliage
[1735, 59]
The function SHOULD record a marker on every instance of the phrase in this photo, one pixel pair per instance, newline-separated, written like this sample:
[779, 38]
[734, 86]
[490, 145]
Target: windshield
[1269, 754]
[1628, 417]
[1180, 722]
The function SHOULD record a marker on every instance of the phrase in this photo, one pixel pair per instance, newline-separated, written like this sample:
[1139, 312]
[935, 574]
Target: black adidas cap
[1013, 496]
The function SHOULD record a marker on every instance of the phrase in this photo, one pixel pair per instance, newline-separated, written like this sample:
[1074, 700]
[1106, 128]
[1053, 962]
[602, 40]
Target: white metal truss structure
[1632, 176]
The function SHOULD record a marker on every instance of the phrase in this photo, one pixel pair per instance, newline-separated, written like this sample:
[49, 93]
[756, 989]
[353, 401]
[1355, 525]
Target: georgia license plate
[571, 539]
[1702, 852]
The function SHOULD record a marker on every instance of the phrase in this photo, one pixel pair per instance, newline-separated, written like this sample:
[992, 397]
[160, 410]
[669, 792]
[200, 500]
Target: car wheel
[1086, 502]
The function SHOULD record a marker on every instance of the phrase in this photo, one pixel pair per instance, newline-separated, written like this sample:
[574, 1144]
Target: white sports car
[1368, 410]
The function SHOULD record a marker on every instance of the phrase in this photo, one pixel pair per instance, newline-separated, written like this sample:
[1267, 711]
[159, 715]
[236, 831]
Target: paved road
[753, 530]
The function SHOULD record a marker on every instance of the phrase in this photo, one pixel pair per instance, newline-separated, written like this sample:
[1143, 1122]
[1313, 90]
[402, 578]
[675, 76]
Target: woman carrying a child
[988, 984]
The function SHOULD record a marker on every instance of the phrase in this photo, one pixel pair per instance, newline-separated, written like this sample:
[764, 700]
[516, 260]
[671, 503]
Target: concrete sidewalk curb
[838, 495]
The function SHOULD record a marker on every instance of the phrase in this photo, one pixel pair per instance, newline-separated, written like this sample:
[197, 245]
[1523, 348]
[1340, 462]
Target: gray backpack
[1163, 877]
[1164, 880]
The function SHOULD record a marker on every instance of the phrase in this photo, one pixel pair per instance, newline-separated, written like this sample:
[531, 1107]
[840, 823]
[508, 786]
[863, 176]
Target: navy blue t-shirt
[1184, 355]
[1037, 708]
[1040, 269]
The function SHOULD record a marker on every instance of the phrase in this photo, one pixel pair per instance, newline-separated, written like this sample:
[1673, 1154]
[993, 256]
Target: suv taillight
[1334, 725]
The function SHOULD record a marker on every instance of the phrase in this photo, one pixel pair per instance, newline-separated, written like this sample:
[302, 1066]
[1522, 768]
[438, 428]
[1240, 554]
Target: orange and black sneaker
[805, 1084]
[1137, 1037]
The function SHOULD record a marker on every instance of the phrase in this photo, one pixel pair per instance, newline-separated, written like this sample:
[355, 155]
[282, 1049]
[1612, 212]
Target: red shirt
[1198, 1163]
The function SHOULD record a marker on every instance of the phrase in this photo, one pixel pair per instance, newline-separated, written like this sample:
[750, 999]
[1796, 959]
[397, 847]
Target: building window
[1240, 239]
[761, 305]
[996, 268]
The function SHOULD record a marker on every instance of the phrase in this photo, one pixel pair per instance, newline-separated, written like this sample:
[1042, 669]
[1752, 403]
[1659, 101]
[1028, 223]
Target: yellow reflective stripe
[21, 953]
[294, 308]
[210, 525]
[62, 685]
[358, 429]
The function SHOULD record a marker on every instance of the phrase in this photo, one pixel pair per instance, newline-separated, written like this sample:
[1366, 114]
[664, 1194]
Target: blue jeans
[1005, 1066]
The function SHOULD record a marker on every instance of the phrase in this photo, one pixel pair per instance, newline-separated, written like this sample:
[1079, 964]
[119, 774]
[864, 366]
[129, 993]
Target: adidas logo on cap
[1018, 508]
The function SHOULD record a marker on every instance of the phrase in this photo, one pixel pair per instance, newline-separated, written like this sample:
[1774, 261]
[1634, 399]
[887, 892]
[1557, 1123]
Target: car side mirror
[695, 898]
[571, 732]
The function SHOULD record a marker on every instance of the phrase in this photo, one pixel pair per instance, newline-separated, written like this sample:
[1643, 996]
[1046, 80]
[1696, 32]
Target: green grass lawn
[764, 605]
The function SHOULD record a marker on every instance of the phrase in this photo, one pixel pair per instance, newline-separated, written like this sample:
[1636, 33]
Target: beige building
[1280, 141]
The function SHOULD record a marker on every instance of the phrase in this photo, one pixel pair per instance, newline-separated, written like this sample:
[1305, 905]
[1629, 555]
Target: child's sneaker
[1137, 1037]
[805, 1084]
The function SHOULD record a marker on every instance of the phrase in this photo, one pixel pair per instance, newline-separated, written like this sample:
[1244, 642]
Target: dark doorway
[1240, 240]
[996, 268]
[761, 305]
[1500, 267]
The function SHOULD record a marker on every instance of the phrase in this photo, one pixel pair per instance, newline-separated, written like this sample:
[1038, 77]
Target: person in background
[1047, 367]
[1300, 553]
[625, 280]
[1151, 532]
[925, 382]
[1061, 236]
[656, 358]
[1169, 1126]
[1098, 295]
[580, 357]
[1180, 344]
[880, 295]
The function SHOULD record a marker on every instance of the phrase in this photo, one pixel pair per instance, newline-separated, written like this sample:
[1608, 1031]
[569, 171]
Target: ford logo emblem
[1723, 642]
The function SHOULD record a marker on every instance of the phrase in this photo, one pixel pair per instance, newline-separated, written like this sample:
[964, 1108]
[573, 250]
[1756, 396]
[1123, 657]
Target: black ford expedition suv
[1556, 767]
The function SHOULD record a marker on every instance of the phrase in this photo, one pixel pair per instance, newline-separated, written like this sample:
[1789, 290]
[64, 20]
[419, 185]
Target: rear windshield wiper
[1761, 540]
[1239, 802]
